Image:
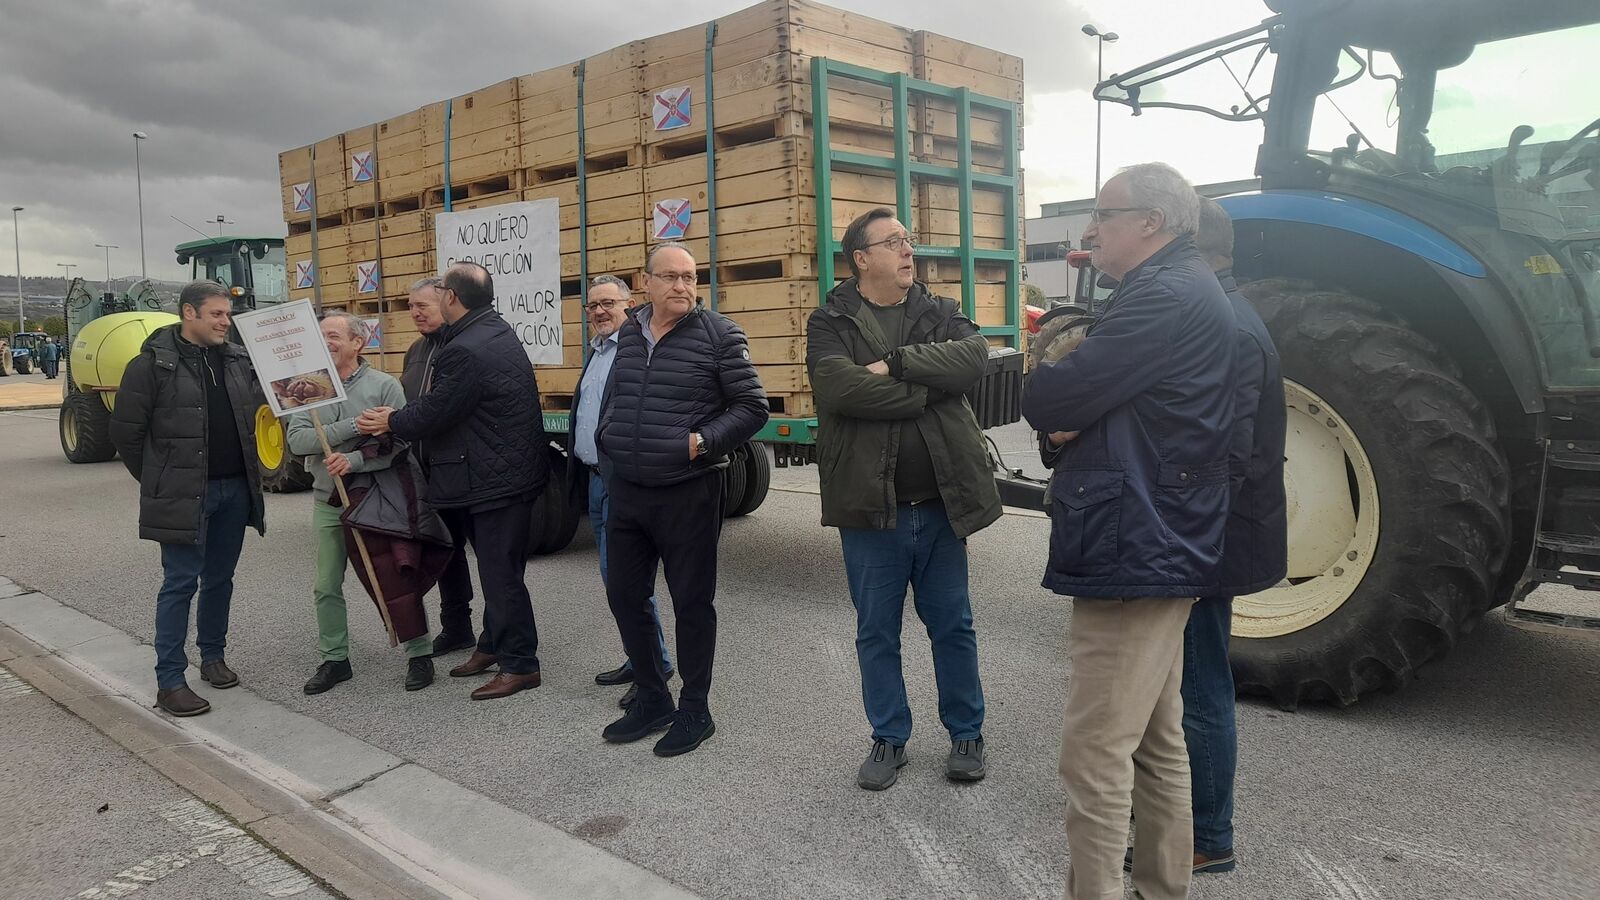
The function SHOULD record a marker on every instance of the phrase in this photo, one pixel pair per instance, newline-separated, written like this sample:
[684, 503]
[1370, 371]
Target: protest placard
[292, 362]
[520, 245]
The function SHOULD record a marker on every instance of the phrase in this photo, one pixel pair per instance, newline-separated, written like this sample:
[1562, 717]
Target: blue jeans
[923, 552]
[599, 508]
[1208, 723]
[209, 566]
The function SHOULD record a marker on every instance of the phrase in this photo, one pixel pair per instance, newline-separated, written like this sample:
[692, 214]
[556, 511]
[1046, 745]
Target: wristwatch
[699, 444]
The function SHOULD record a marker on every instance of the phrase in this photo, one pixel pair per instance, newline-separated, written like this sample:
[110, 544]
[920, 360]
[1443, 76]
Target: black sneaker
[689, 730]
[419, 672]
[882, 767]
[637, 722]
[329, 674]
[451, 641]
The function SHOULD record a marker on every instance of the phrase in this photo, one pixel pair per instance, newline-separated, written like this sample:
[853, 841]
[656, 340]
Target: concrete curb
[348, 812]
[26, 407]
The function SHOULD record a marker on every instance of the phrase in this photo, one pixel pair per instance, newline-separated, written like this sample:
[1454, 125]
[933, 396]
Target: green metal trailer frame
[826, 159]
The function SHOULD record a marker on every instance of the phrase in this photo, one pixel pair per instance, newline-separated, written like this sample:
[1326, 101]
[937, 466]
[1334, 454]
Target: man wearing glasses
[683, 395]
[607, 308]
[1136, 423]
[906, 479]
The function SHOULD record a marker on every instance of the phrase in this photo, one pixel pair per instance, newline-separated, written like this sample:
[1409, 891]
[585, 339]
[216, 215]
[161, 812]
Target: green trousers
[333, 624]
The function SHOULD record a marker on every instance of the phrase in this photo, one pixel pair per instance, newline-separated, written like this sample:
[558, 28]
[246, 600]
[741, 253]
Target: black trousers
[499, 538]
[455, 584]
[677, 526]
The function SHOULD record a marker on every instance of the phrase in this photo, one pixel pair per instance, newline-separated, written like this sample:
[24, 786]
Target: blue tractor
[1425, 249]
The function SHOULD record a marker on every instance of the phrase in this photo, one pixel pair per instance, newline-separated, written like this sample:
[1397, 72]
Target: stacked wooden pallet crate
[643, 122]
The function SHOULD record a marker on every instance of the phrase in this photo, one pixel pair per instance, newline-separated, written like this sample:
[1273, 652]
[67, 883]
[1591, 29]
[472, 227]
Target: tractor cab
[254, 269]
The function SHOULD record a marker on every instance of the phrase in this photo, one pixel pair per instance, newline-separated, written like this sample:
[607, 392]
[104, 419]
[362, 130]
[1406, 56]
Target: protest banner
[520, 245]
[297, 374]
[292, 362]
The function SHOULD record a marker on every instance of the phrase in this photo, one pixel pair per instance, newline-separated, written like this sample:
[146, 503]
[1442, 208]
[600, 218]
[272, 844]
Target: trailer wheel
[85, 426]
[1398, 505]
[555, 516]
[735, 483]
[281, 471]
[757, 479]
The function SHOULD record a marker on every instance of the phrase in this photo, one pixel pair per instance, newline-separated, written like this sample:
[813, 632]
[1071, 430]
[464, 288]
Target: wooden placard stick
[361, 544]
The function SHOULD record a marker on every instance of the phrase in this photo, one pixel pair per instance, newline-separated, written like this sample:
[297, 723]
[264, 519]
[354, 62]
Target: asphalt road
[82, 817]
[1480, 780]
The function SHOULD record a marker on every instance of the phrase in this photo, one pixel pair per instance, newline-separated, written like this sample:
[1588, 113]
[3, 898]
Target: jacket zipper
[649, 363]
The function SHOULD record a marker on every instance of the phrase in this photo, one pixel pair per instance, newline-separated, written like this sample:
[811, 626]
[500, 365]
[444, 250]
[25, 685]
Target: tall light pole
[108, 248]
[1102, 38]
[69, 267]
[16, 238]
[138, 181]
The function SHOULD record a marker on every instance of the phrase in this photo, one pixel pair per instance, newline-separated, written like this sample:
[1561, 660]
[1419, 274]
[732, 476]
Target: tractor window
[216, 268]
[270, 277]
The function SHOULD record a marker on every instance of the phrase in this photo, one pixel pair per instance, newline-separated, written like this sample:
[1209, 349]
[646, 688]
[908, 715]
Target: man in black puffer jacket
[683, 396]
[185, 428]
[481, 440]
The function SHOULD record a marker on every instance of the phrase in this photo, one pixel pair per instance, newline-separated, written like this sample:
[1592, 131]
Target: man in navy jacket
[1137, 423]
[683, 395]
[480, 436]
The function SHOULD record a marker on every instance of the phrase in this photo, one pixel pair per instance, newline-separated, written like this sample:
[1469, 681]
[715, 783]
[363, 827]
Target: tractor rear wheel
[281, 471]
[24, 365]
[1398, 504]
[85, 426]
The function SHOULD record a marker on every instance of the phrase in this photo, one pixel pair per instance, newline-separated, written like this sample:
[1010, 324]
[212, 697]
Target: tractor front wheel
[281, 471]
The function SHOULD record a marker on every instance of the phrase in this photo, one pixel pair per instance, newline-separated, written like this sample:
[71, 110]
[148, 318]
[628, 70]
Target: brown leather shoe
[181, 701]
[477, 664]
[505, 684]
[217, 674]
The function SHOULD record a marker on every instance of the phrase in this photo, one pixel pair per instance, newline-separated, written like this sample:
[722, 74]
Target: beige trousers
[1122, 749]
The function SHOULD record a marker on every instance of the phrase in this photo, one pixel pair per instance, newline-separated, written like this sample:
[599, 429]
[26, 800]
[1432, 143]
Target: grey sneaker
[882, 768]
[965, 762]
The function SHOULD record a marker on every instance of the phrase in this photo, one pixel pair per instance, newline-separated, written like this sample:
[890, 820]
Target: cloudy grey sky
[222, 86]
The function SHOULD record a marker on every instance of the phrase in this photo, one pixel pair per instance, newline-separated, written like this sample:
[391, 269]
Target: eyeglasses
[607, 305]
[1098, 215]
[894, 244]
[687, 279]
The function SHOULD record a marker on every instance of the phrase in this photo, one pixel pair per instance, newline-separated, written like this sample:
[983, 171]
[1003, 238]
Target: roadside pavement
[31, 391]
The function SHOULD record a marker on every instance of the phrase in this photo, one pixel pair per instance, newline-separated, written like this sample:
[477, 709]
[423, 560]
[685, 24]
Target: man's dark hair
[196, 293]
[855, 237]
[471, 284]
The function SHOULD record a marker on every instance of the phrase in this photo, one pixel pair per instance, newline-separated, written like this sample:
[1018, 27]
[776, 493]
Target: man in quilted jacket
[480, 437]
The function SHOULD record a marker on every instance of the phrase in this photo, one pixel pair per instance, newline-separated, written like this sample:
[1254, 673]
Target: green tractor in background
[105, 333]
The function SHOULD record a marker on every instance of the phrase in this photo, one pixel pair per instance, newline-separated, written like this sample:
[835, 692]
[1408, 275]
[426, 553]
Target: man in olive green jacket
[905, 479]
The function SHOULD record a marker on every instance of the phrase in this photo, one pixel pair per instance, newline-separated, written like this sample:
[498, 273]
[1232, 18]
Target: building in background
[1060, 227]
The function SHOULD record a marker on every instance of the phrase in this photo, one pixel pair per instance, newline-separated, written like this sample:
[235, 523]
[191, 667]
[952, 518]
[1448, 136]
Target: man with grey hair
[352, 451]
[607, 307]
[416, 378]
[1136, 424]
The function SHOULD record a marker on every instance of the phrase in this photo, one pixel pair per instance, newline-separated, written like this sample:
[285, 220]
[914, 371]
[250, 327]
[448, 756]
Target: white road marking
[12, 686]
[213, 837]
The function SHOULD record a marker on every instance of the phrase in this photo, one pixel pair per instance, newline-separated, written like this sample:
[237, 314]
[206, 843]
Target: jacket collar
[168, 346]
[454, 329]
[1179, 247]
[845, 301]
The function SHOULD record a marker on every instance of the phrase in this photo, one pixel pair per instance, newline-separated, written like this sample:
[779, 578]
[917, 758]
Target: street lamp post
[16, 238]
[1102, 38]
[219, 221]
[138, 182]
[108, 248]
[69, 267]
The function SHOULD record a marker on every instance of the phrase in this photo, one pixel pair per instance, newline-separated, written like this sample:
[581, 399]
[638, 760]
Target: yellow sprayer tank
[104, 347]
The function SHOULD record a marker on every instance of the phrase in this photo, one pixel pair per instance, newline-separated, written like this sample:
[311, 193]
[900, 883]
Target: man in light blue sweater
[364, 388]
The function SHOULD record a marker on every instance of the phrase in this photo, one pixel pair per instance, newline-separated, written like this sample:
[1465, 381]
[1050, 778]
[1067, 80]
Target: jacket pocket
[1086, 521]
[1192, 501]
[449, 477]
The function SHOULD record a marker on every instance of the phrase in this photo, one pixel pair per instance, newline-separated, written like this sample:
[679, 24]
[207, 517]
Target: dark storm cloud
[222, 87]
